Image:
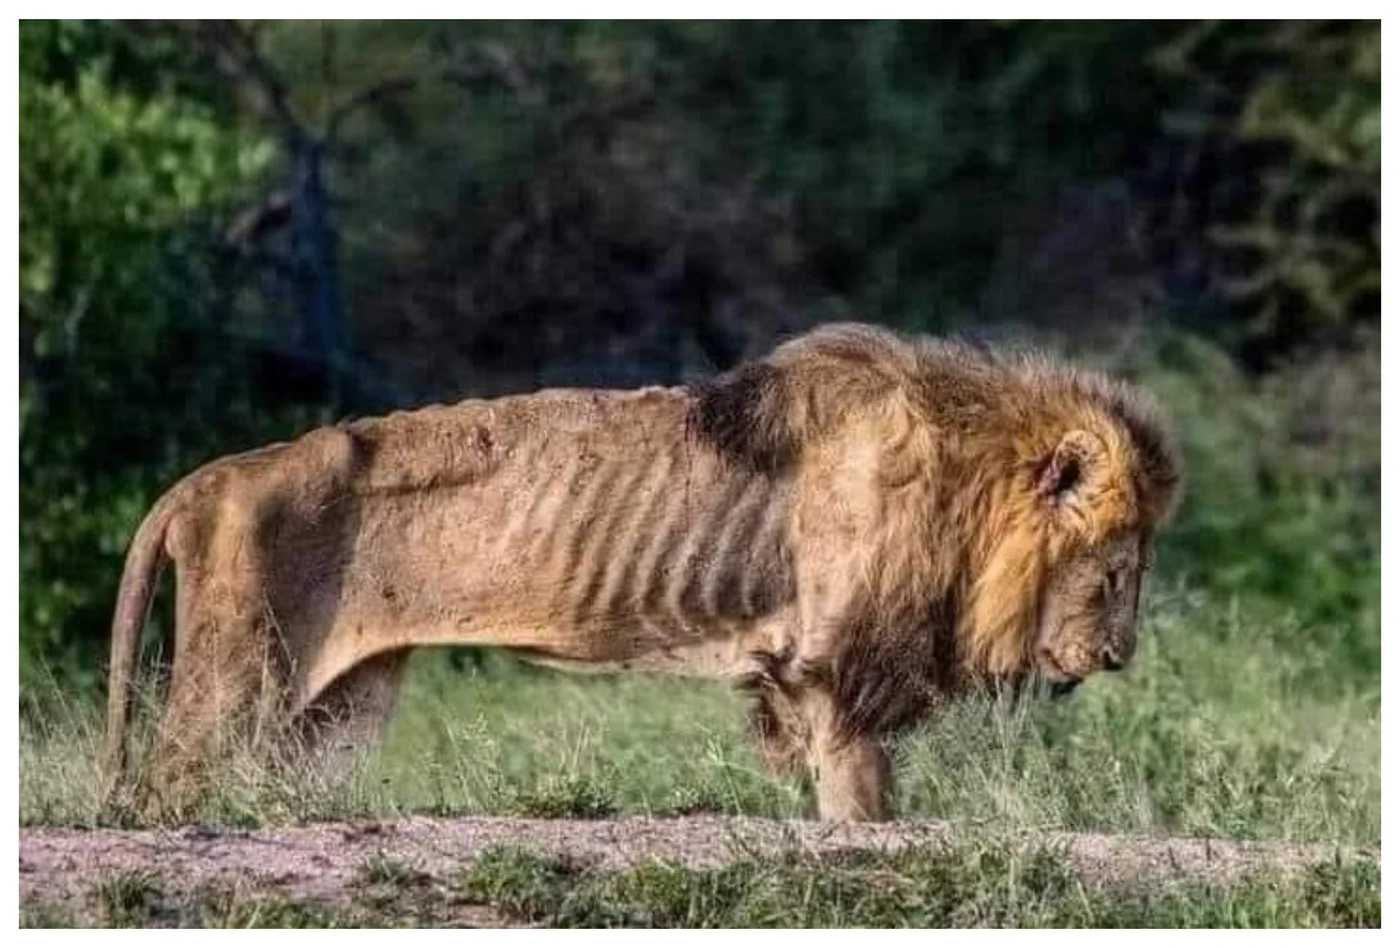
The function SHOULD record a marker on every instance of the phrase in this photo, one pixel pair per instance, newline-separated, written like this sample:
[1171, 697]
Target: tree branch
[235, 55]
[501, 69]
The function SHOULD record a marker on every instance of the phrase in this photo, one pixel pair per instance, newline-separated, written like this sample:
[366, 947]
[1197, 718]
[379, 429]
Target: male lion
[851, 527]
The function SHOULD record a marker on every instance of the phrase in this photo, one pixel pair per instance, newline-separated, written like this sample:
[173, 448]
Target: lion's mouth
[1060, 682]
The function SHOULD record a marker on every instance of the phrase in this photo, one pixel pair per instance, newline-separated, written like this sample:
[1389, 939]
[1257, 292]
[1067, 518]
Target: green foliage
[107, 178]
[225, 908]
[139, 899]
[1280, 512]
[1296, 106]
[851, 168]
[903, 148]
[387, 870]
[117, 182]
[47, 915]
[881, 167]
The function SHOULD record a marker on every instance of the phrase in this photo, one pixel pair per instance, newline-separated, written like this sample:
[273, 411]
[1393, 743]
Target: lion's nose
[1112, 660]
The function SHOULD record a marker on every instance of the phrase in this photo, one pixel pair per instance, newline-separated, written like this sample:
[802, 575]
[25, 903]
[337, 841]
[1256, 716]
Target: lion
[851, 529]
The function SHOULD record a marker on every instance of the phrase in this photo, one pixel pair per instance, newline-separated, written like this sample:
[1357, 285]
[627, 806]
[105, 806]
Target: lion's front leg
[852, 772]
[853, 782]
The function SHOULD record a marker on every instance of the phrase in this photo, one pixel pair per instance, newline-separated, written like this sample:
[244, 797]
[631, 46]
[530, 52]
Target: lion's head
[1094, 475]
[1017, 494]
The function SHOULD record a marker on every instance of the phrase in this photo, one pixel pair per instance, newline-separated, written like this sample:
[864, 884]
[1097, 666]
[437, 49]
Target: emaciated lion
[851, 528]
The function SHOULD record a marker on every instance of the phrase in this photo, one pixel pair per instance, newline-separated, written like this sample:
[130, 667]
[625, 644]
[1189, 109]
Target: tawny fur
[851, 527]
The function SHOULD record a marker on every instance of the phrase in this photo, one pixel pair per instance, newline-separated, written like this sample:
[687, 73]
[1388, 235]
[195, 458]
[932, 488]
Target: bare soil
[322, 863]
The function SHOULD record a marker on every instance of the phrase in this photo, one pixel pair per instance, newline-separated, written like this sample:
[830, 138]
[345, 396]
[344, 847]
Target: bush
[123, 383]
[1282, 502]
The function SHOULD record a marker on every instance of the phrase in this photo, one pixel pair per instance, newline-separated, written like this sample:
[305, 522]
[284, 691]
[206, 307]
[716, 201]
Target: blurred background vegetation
[230, 232]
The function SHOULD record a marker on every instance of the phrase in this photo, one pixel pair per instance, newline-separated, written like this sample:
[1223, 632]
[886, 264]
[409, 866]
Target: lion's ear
[1071, 464]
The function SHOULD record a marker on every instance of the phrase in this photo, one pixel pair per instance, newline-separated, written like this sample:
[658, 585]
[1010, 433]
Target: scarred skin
[849, 528]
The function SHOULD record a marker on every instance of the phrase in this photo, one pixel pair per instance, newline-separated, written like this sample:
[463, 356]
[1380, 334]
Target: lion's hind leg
[209, 714]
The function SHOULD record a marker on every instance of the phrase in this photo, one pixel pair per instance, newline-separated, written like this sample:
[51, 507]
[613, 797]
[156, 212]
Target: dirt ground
[320, 862]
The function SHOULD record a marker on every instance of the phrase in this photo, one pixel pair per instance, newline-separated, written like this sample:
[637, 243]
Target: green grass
[129, 899]
[141, 900]
[969, 884]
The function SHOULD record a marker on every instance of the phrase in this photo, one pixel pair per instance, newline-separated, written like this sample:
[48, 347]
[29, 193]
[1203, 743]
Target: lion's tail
[143, 562]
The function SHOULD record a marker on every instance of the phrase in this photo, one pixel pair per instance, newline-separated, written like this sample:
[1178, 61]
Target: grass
[129, 898]
[383, 869]
[969, 884]
[141, 900]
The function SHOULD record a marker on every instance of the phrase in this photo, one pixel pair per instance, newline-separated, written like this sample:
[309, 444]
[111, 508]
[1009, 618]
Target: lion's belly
[730, 653]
